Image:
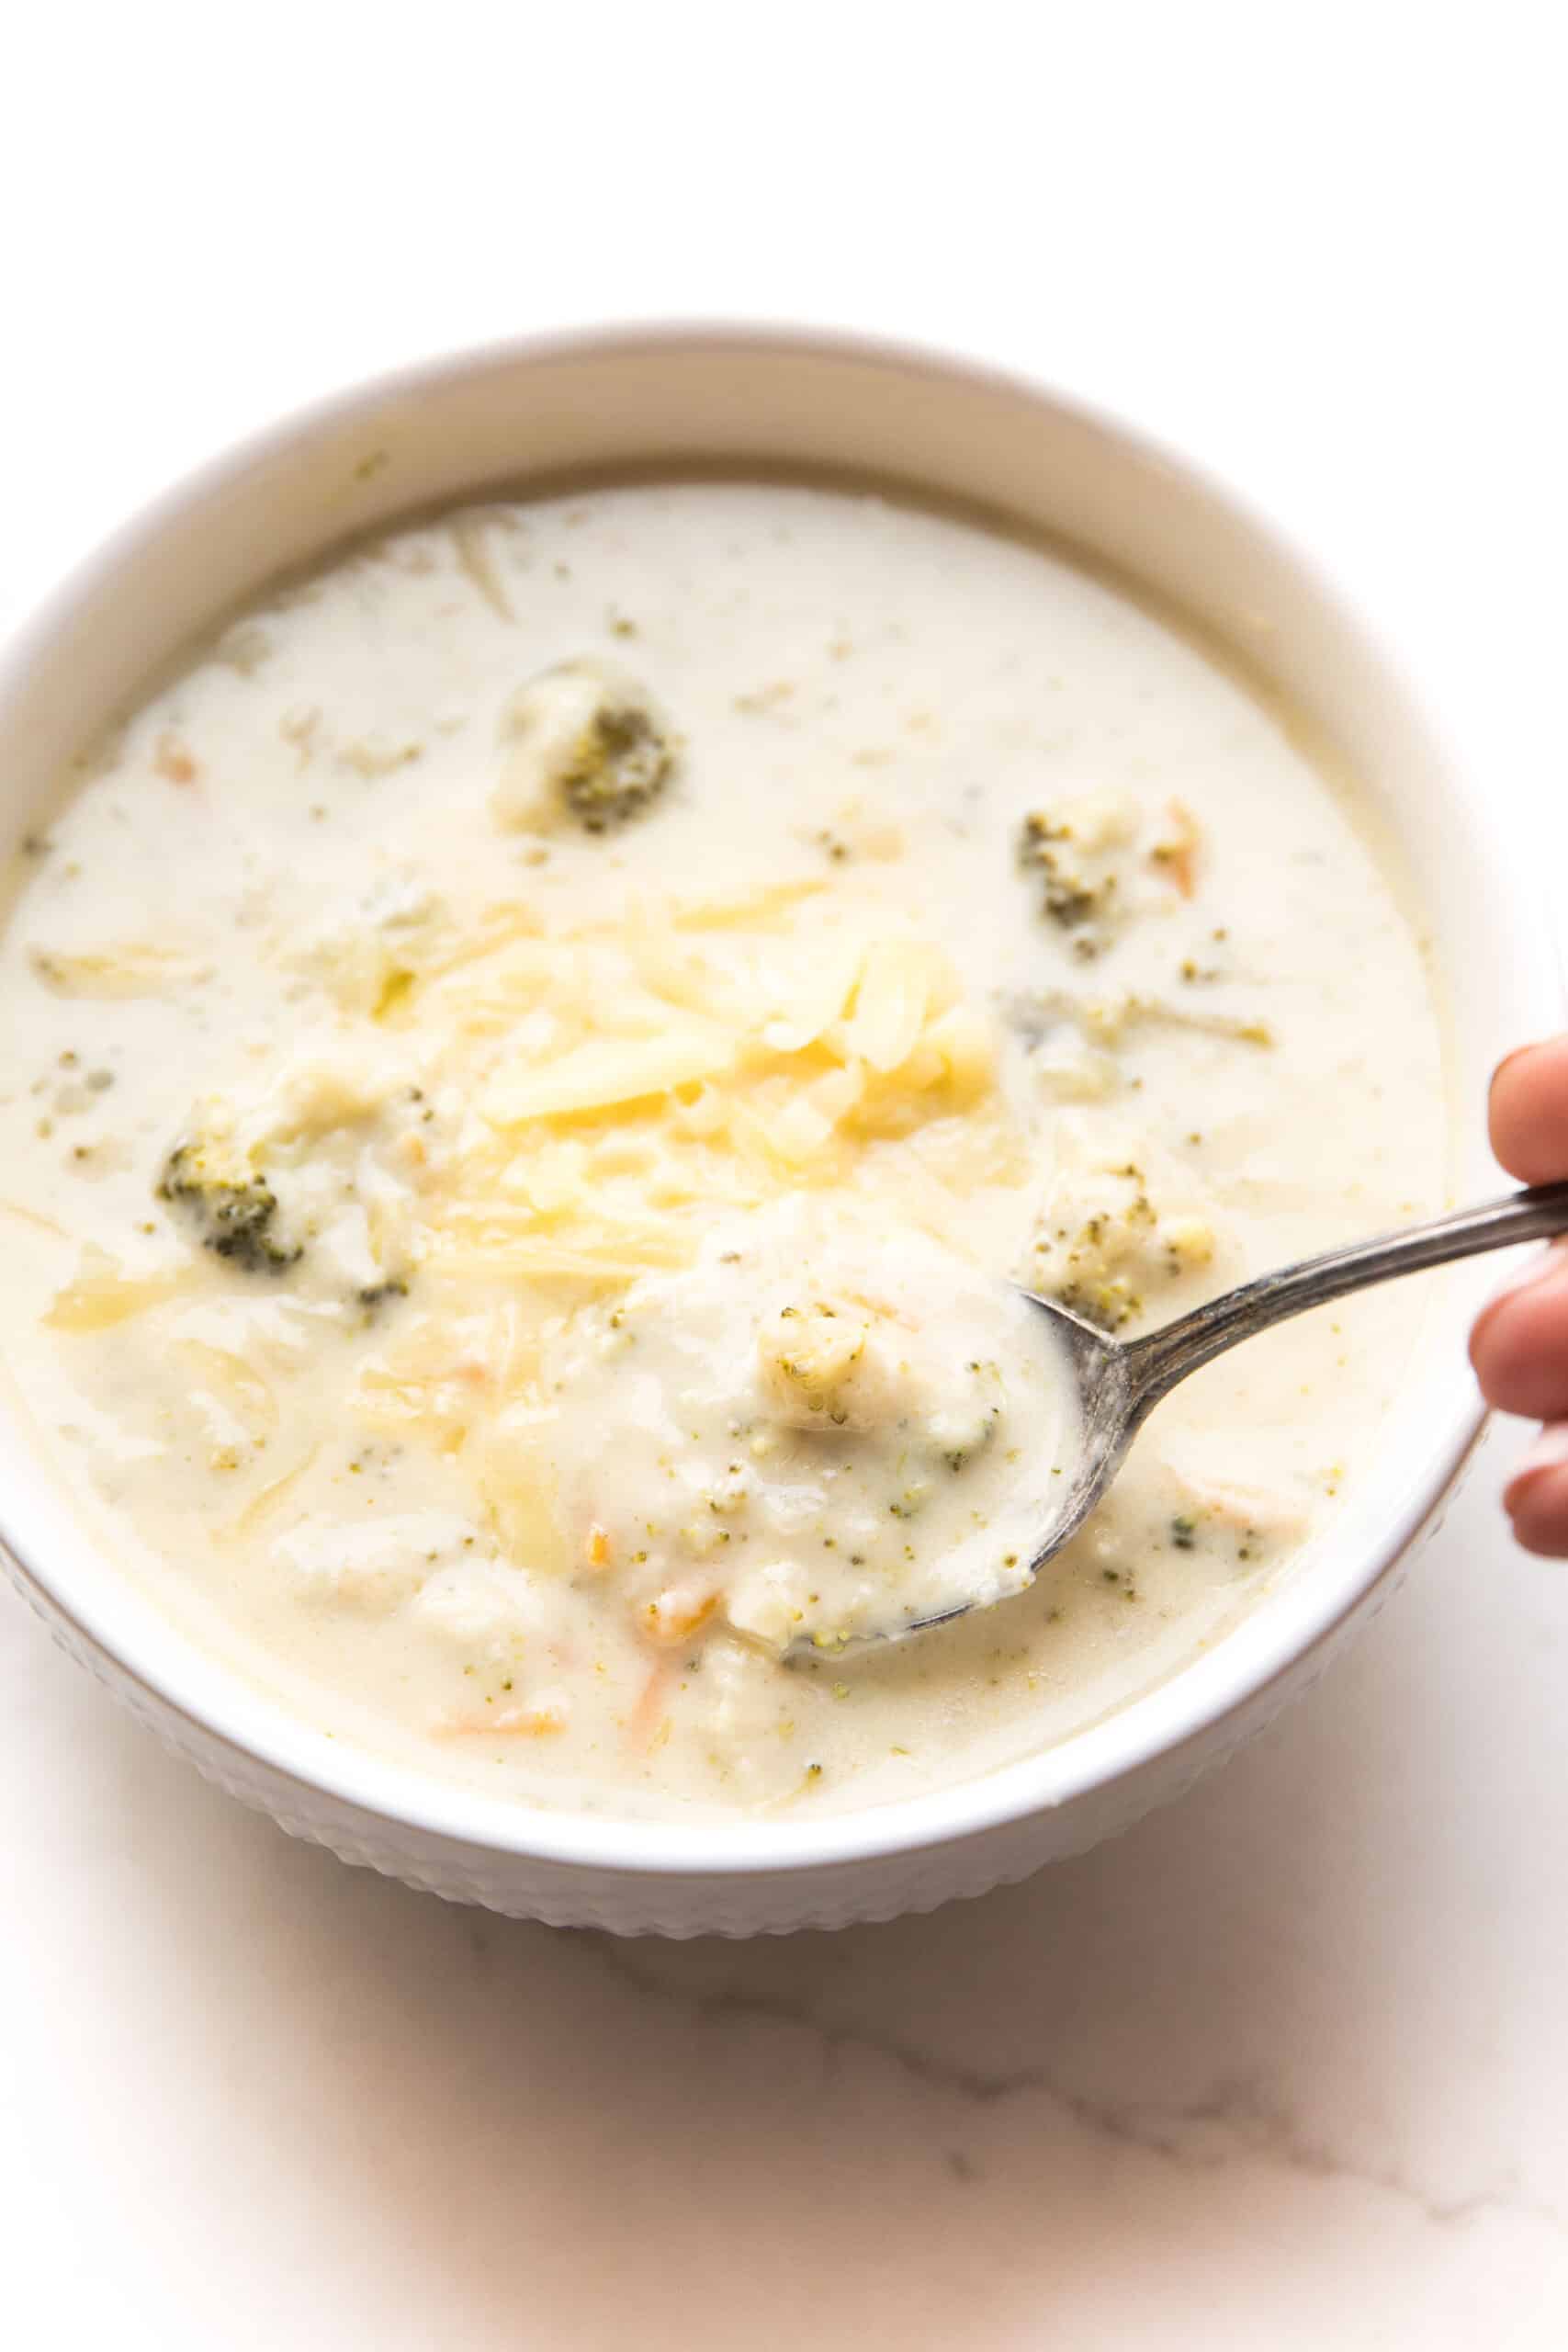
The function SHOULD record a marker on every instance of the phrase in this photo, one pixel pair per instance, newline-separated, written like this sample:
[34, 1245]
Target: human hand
[1519, 1345]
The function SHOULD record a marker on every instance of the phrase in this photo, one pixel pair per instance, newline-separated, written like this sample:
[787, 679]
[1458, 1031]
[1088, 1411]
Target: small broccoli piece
[584, 738]
[968, 1422]
[1101, 860]
[374, 1295]
[957, 1437]
[622, 761]
[234, 1209]
[1069, 897]
[840, 1370]
[1078, 851]
[1102, 1246]
[810, 1359]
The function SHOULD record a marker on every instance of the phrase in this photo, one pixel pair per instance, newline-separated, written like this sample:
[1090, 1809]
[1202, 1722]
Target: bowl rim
[166, 1664]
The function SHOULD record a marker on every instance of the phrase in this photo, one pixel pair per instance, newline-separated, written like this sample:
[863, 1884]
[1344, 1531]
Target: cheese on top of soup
[537, 1062]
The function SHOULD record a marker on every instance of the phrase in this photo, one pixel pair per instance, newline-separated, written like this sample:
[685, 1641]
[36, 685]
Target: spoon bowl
[1119, 1383]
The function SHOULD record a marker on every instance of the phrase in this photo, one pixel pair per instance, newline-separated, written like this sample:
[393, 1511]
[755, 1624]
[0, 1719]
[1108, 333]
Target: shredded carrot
[1178, 854]
[677, 1614]
[507, 1722]
[643, 1721]
[596, 1550]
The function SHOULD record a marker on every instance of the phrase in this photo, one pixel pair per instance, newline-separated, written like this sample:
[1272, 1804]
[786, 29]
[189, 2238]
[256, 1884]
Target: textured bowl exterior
[745, 398]
[566, 1894]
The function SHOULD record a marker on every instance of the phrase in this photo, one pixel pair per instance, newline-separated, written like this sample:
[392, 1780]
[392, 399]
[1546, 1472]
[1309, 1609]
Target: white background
[1286, 2066]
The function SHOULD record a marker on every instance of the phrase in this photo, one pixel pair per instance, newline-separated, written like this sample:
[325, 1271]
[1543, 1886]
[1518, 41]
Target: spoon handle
[1161, 1358]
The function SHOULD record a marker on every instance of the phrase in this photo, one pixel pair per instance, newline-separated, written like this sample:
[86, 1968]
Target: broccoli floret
[585, 738]
[374, 1295]
[622, 761]
[1102, 858]
[831, 1369]
[235, 1210]
[810, 1360]
[1101, 1247]
[1076, 850]
[1070, 897]
[957, 1437]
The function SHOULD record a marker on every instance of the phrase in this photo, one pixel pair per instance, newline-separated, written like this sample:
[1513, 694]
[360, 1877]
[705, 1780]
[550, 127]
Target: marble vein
[1235, 2120]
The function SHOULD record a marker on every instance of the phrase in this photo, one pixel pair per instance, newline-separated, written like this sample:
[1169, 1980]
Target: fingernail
[1550, 1452]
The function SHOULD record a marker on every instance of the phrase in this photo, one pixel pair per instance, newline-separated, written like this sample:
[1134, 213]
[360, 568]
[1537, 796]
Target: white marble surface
[1286, 2066]
[1282, 2067]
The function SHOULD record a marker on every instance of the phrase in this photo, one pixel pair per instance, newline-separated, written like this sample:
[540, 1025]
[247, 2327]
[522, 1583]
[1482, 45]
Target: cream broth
[533, 1065]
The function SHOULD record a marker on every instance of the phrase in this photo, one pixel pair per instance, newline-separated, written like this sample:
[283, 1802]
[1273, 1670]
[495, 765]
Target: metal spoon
[1119, 1382]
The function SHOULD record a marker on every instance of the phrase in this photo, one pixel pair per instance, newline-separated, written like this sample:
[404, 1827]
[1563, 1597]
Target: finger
[1537, 1495]
[1528, 1113]
[1519, 1346]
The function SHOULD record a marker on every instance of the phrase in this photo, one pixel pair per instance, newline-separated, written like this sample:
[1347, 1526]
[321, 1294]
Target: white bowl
[745, 398]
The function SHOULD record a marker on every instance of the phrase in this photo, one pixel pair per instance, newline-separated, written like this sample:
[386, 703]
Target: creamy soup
[534, 1066]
